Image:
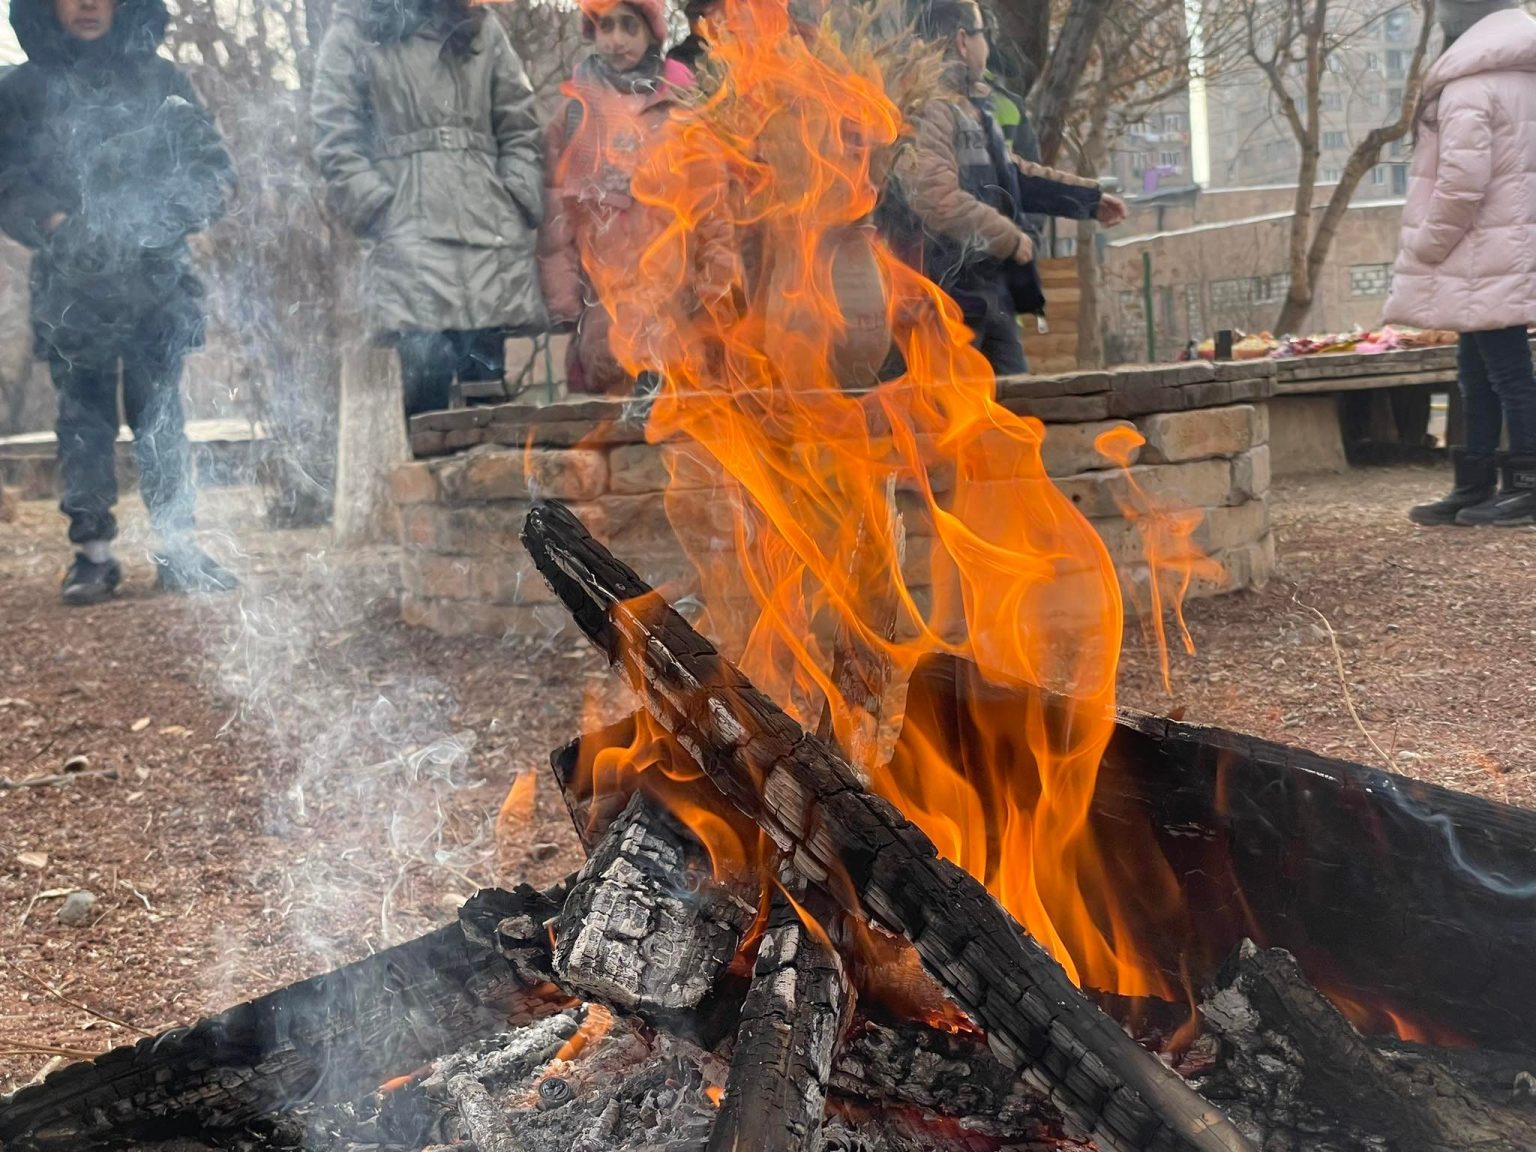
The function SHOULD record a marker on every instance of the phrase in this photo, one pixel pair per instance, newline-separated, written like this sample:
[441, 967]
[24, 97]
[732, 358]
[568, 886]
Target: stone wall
[463, 500]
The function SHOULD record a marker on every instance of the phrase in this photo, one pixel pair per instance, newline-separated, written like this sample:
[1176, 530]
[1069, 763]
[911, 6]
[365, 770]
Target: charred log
[646, 926]
[1301, 1074]
[869, 858]
[332, 1037]
[1391, 893]
[791, 1020]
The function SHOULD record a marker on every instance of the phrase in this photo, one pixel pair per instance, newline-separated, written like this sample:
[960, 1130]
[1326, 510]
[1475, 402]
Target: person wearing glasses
[960, 201]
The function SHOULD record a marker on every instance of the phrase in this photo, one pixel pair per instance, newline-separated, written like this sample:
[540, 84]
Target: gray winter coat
[433, 160]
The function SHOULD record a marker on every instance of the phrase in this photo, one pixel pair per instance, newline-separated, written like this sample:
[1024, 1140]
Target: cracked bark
[870, 859]
[791, 1022]
[645, 925]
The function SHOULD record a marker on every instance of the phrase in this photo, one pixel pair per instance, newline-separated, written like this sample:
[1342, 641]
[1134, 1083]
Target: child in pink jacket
[1468, 250]
[622, 98]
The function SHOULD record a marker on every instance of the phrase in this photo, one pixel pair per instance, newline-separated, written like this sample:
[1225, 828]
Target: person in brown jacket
[959, 206]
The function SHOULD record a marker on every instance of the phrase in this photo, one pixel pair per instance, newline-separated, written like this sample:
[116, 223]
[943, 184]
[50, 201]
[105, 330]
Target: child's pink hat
[653, 12]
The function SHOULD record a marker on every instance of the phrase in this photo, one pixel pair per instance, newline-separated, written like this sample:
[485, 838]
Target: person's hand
[1112, 210]
[51, 225]
[1025, 252]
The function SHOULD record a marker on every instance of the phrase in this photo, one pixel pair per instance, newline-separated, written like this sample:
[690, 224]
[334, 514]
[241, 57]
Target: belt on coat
[444, 139]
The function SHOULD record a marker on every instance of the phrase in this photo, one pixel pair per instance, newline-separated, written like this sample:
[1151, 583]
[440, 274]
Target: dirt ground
[298, 778]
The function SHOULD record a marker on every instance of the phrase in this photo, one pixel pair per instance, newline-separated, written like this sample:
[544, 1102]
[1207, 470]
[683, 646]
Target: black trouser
[1498, 386]
[429, 361]
[990, 314]
[87, 435]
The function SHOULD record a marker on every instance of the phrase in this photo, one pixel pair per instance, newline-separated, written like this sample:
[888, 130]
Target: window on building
[1379, 175]
[1335, 141]
[1333, 101]
[1173, 122]
[1396, 149]
[1332, 175]
[1394, 27]
[1370, 279]
[1399, 179]
[1397, 63]
[1372, 62]
[1394, 97]
[1173, 160]
[1244, 291]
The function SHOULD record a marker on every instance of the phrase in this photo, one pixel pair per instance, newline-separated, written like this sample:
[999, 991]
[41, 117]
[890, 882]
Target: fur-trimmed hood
[138, 27]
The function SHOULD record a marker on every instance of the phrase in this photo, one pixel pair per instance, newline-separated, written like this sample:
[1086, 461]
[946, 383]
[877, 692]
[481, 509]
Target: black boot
[1515, 503]
[187, 568]
[88, 582]
[1476, 477]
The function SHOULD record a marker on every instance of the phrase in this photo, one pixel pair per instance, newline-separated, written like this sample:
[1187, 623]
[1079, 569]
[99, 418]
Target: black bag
[1023, 280]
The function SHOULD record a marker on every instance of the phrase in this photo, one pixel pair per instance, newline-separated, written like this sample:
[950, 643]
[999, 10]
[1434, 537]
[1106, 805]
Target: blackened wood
[1307, 1079]
[791, 1021]
[1391, 893]
[953, 1073]
[869, 858]
[645, 925]
[593, 810]
[332, 1037]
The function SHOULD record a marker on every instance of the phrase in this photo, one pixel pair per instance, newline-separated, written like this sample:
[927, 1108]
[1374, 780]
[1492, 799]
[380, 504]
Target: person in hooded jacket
[108, 163]
[960, 200]
[621, 97]
[426, 133]
[1467, 258]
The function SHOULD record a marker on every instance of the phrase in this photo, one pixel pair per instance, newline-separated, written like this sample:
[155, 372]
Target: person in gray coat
[426, 133]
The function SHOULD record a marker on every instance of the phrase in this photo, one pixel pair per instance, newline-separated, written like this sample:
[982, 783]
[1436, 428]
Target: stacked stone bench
[463, 498]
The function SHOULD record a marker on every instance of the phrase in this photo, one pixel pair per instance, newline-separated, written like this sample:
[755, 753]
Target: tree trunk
[1090, 337]
[372, 443]
[1074, 46]
[1025, 32]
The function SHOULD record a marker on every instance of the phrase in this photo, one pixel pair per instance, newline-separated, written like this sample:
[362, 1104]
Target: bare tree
[1140, 60]
[1292, 45]
[1025, 30]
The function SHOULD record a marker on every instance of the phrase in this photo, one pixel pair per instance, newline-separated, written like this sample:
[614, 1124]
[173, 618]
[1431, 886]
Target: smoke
[1456, 852]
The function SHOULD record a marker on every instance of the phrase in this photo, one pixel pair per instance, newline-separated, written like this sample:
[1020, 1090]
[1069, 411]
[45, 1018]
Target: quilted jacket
[1467, 259]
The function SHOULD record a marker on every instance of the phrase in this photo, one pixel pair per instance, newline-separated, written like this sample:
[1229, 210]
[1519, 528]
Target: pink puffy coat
[1468, 250]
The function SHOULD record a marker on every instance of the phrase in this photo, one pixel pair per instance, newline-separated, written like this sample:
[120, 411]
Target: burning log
[1306, 1078]
[1396, 897]
[332, 1037]
[645, 927]
[870, 859]
[791, 1021]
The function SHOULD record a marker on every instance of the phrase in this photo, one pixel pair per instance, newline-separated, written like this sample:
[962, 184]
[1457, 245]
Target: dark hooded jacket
[112, 137]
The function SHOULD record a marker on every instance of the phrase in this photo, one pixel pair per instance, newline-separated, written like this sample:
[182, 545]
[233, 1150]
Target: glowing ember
[596, 1025]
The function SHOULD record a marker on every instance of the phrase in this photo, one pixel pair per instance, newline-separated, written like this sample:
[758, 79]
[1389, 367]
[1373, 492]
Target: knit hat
[1456, 16]
[653, 12]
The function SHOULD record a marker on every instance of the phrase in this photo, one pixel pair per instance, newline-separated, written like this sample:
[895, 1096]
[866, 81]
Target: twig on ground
[54, 780]
[22, 1048]
[57, 995]
[1349, 700]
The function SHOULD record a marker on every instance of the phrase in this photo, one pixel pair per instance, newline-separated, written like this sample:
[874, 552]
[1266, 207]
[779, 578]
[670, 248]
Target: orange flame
[1002, 569]
[596, 1025]
[713, 1093]
[1173, 560]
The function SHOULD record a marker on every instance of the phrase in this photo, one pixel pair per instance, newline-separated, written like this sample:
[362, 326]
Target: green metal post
[1146, 306]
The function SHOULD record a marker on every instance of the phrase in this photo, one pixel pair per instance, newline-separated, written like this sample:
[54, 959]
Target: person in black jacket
[108, 163]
